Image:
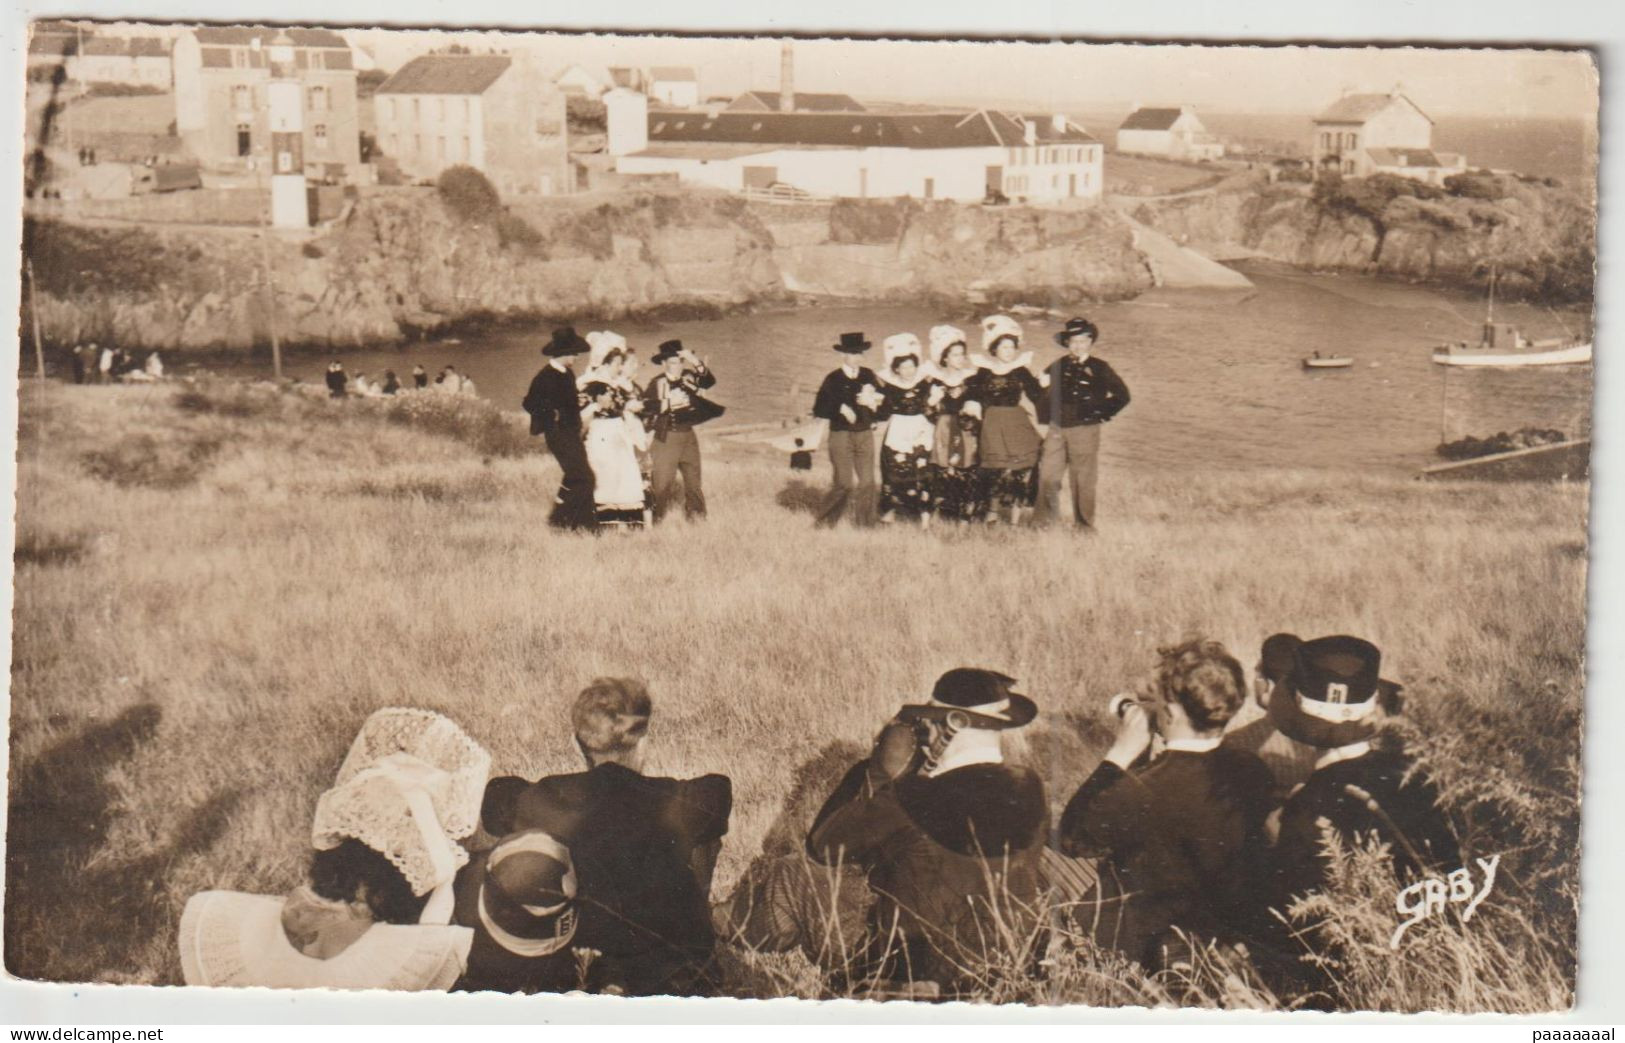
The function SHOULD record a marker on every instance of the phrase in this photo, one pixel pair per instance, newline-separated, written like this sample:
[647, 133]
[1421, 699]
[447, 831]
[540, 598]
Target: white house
[1418, 164]
[578, 79]
[1174, 133]
[964, 156]
[675, 86]
[1348, 132]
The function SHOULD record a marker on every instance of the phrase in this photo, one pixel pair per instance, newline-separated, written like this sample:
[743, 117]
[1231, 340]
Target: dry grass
[191, 658]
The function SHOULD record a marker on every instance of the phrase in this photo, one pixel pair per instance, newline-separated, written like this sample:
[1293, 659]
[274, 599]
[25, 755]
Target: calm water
[1215, 374]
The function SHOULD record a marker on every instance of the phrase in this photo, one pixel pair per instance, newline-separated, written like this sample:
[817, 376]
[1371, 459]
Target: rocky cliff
[401, 262]
[1539, 237]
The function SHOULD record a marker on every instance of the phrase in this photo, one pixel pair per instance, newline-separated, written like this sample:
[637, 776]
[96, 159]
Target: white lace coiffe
[411, 784]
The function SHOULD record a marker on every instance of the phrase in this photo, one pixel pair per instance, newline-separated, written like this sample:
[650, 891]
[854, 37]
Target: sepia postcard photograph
[1019, 521]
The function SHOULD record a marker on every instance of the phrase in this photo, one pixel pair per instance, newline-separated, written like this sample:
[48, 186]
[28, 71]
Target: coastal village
[220, 115]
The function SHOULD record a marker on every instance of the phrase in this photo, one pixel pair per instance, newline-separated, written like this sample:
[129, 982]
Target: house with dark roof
[966, 156]
[499, 114]
[1175, 133]
[802, 101]
[222, 112]
[89, 57]
[1349, 130]
[675, 86]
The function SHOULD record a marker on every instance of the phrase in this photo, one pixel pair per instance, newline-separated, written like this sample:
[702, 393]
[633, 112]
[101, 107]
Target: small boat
[1319, 361]
[1503, 344]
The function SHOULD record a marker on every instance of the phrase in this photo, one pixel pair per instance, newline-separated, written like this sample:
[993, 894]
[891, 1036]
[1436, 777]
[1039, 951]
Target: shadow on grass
[801, 497]
[75, 910]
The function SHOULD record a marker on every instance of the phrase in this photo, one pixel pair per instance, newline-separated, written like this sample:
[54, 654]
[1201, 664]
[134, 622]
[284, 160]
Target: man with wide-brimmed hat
[846, 401]
[519, 899]
[643, 847]
[673, 407]
[950, 836]
[1082, 394]
[555, 413]
[1335, 701]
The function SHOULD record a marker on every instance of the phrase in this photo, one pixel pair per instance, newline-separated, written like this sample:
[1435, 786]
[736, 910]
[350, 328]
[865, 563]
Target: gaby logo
[1432, 896]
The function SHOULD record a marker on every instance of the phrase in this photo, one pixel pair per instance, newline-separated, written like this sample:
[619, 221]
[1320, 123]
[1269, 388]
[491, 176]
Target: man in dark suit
[1177, 838]
[846, 401]
[949, 835]
[555, 414]
[1084, 393]
[643, 848]
[673, 407]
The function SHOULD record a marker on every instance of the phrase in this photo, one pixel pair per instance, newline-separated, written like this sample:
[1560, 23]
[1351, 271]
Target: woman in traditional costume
[908, 399]
[1009, 396]
[375, 910]
[614, 438]
[955, 480]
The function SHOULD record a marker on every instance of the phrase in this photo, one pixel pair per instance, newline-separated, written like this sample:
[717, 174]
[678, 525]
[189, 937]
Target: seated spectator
[1254, 731]
[392, 383]
[1335, 702]
[643, 847]
[519, 898]
[1177, 837]
[375, 910]
[336, 379]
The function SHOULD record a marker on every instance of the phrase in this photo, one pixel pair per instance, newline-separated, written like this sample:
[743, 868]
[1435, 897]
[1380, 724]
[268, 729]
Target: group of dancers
[966, 437]
[963, 436]
[622, 446]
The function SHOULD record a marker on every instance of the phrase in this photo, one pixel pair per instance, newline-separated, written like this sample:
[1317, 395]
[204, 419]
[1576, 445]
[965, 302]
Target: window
[239, 58]
[242, 97]
[417, 108]
[392, 113]
[467, 155]
[318, 60]
[245, 140]
[319, 132]
[417, 144]
[440, 108]
[1325, 140]
[394, 141]
[468, 109]
[318, 99]
[440, 147]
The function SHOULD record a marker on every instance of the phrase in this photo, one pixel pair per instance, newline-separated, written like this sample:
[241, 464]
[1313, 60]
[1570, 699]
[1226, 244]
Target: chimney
[787, 78]
[1029, 134]
[1057, 123]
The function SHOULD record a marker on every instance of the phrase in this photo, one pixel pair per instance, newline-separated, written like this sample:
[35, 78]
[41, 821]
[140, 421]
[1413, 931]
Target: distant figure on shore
[1175, 837]
[672, 408]
[847, 400]
[336, 379]
[1083, 394]
[149, 372]
[555, 414]
[392, 384]
[375, 910]
[420, 377]
[362, 386]
[104, 365]
[76, 359]
[644, 847]
[1009, 394]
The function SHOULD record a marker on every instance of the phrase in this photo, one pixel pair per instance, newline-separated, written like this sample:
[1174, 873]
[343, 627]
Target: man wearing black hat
[643, 847]
[1177, 838]
[847, 400]
[555, 414]
[1083, 394]
[519, 899]
[1335, 701]
[950, 836]
[673, 405]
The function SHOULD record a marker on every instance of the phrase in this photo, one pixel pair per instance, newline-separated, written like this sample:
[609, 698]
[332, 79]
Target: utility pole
[270, 295]
[33, 312]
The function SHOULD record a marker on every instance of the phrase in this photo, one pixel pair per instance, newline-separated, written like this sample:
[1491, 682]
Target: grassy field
[214, 587]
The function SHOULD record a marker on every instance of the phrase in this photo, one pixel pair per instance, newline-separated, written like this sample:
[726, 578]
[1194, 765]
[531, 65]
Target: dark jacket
[950, 859]
[839, 390]
[552, 402]
[1412, 808]
[656, 403]
[643, 849]
[490, 966]
[1179, 841]
[336, 380]
[1087, 392]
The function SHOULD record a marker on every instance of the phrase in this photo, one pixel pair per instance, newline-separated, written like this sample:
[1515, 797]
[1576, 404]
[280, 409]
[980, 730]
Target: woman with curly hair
[1175, 836]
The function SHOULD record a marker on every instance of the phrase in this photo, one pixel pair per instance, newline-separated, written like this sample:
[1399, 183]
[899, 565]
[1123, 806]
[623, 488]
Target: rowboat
[1319, 361]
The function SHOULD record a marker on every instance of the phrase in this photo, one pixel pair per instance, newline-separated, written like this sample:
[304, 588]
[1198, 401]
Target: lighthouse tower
[289, 203]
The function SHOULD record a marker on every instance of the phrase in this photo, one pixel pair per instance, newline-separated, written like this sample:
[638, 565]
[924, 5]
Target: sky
[1084, 77]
